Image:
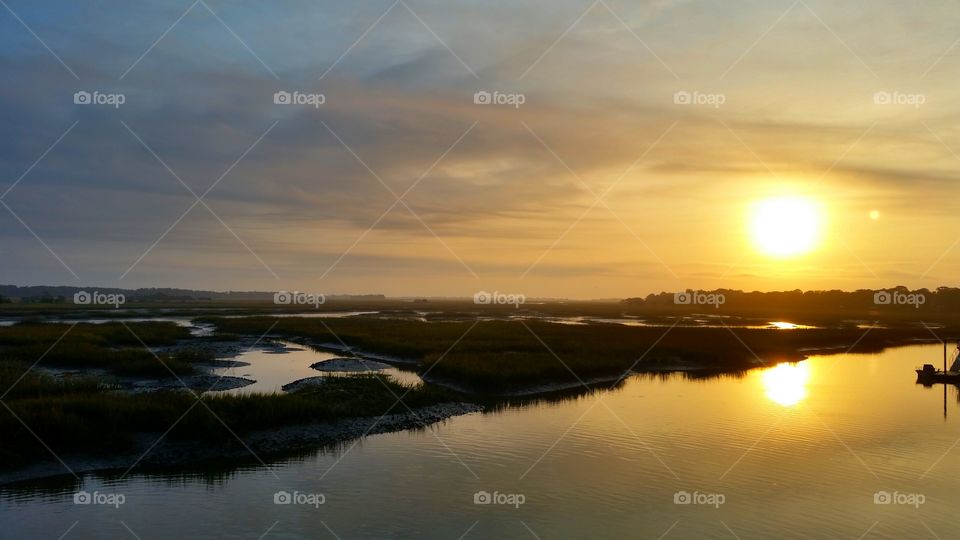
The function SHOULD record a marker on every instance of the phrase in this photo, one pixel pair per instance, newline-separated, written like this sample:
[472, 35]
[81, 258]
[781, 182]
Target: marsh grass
[110, 346]
[114, 334]
[505, 355]
[79, 414]
[82, 416]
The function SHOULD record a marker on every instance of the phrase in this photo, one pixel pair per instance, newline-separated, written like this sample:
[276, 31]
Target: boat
[928, 374]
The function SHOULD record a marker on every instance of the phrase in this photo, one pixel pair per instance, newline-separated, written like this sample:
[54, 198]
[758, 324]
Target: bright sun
[785, 226]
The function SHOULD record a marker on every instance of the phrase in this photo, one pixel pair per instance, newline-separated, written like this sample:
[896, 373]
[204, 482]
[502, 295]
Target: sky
[627, 149]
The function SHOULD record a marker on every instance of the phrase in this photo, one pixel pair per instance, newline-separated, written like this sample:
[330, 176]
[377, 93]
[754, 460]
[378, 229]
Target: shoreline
[269, 444]
[275, 442]
[534, 390]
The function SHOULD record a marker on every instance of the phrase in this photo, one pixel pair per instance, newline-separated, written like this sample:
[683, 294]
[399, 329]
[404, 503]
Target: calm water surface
[275, 364]
[796, 451]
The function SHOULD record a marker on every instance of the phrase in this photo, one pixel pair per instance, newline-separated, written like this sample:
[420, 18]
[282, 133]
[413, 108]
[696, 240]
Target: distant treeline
[900, 297]
[52, 294]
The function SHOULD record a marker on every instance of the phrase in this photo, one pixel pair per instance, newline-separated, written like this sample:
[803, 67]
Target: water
[797, 451]
[313, 314]
[275, 364]
[684, 322]
[707, 321]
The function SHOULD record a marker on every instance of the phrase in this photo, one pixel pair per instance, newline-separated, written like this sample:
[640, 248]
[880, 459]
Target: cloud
[599, 99]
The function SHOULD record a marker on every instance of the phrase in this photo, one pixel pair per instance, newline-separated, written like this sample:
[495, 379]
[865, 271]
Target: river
[838, 446]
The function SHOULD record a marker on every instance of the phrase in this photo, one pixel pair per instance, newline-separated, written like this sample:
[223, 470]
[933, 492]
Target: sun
[785, 226]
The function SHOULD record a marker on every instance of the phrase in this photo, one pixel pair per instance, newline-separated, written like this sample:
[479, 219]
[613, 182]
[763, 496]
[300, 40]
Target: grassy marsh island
[506, 356]
[99, 393]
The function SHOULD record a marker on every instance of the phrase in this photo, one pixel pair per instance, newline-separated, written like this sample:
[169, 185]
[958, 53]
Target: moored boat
[928, 374]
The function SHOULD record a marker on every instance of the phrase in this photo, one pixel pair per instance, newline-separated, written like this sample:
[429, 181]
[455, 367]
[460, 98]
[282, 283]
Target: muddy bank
[339, 347]
[224, 354]
[300, 384]
[196, 383]
[359, 364]
[265, 444]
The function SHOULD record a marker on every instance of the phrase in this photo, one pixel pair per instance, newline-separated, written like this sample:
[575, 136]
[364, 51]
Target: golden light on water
[785, 226]
[786, 384]
[784, 325]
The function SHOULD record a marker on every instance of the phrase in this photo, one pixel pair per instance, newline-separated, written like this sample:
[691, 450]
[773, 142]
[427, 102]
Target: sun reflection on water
[783, 325]
[786, 384]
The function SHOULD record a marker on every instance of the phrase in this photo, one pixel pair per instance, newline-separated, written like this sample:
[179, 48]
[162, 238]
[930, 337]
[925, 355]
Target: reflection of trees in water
[52, 489]
[582, 392]
[566, 395]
